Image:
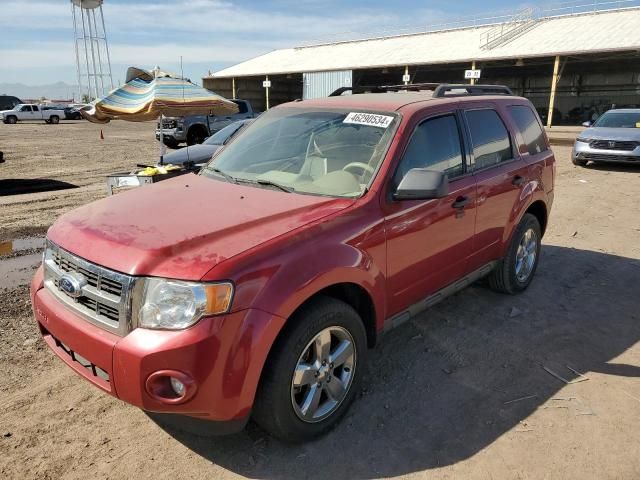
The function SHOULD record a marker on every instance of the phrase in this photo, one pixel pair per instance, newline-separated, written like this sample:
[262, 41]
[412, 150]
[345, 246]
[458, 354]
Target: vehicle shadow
[18, 186]
[614, 167]
[436, 388]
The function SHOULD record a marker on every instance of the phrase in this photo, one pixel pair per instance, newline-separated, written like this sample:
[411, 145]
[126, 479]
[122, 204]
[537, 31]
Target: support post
[554, 85]
[233, 87]
[106, 46]
[86, 55]
[473, 67]
[75, 44]
[161, 162]
[406, 74]
[267, 93]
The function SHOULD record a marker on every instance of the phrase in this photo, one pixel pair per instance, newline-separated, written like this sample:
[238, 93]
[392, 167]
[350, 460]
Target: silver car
[614, 137]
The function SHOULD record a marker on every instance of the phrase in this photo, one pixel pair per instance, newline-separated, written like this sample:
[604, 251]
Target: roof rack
[452, 90]
[439, 90]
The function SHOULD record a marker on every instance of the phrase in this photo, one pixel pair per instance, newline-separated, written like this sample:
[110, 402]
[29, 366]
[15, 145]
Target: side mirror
[422, 184]
[586, 124]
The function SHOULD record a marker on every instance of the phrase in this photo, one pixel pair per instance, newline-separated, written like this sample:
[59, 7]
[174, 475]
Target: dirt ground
[460, 392]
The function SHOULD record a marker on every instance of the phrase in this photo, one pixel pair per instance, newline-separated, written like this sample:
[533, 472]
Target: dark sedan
[200, 154]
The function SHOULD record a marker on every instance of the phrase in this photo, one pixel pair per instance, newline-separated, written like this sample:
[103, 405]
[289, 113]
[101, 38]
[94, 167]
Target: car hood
[195, 154]
[183, 227]
[602, 133]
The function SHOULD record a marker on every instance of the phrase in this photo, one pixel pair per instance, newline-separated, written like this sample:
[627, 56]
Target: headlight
[583, 140]
[174, 304]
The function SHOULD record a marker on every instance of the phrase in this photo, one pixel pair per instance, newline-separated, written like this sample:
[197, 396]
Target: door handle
[460, 202]
[518, 180]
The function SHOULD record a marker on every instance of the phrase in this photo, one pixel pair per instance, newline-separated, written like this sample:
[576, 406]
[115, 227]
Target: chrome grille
[602, 157]
[66, 264]
[621, 145]
[105, 299]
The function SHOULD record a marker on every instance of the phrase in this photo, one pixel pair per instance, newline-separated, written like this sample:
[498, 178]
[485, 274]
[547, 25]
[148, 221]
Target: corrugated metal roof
[606, 31]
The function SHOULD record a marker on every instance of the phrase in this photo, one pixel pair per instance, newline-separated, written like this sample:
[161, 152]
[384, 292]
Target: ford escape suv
[259, 287]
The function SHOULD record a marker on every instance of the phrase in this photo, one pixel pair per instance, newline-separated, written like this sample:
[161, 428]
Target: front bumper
[223, 355]
[176, 134]
[584, 151]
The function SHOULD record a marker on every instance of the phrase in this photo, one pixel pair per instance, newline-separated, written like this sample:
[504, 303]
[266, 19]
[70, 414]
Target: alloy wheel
[526, 255]
[323, 374]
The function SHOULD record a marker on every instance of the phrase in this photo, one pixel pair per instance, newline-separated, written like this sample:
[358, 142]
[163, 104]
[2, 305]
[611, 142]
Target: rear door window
[35, 109]
[530, 128]
[489, 137]
[435, 144]
[242, 107]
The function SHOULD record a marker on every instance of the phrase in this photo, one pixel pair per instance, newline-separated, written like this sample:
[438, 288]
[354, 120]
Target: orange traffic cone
[101, 135]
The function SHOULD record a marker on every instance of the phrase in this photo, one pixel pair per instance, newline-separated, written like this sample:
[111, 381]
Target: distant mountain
[58, 90]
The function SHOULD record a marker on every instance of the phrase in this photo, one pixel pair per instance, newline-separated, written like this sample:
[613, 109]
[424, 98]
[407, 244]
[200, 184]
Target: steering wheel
[360, 165]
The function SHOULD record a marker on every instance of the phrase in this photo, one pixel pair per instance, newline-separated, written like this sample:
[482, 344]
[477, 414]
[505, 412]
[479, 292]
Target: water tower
[92, 51]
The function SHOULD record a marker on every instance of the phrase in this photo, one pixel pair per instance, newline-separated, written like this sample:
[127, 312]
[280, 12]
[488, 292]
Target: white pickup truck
[27, 112]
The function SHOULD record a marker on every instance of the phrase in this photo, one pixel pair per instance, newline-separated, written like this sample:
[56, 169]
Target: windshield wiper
[274, 184]
[226, 176]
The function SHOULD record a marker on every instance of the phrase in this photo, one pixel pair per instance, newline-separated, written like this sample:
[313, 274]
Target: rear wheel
[516, 270]
[313, 373]
[54, 119]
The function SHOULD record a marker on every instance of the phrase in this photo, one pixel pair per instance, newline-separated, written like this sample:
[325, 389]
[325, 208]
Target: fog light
[177, 386]
[170, 387]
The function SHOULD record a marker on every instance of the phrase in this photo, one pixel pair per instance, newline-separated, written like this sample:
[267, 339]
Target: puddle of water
[20, 245]
[18, 270]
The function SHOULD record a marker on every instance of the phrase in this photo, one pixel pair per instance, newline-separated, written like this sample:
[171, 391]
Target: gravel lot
[460, 392]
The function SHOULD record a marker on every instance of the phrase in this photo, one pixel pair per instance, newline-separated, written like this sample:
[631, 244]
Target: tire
[196, 136]
[11, 119]
[279, 406]
[54, 119]
[579, 163]
[514, 273]
[171, 143]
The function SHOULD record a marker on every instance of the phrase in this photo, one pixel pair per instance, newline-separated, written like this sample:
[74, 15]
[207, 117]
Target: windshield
[221, 136]
[323, 152]
[619, 120]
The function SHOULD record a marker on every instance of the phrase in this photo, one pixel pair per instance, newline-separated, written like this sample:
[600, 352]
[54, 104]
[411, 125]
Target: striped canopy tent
[147, 95]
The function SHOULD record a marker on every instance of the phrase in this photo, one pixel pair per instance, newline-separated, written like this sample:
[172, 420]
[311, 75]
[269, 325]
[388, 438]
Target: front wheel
[579, 163]
[516, 270]
[196, 136]
[313, 372]
[171, 143]
[11, 120]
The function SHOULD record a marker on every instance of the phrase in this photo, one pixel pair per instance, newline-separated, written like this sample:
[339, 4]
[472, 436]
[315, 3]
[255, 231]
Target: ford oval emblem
[71, 283]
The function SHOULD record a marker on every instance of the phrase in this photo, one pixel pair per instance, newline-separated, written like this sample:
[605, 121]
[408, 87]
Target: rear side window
[490, 138]
[35, 109]
[435, 145]
[529, 127]
[242, 107]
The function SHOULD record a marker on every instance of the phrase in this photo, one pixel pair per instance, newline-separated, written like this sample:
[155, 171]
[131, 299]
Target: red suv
[257, 287]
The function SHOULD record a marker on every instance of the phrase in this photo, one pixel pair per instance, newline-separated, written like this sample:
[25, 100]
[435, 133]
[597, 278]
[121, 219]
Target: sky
[36, 45]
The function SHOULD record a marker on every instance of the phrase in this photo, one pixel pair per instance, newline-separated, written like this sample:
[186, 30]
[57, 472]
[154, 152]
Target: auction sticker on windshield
[370, 119]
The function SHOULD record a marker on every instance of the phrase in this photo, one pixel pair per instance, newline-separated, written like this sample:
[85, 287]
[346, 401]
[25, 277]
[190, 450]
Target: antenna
[93, 61]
